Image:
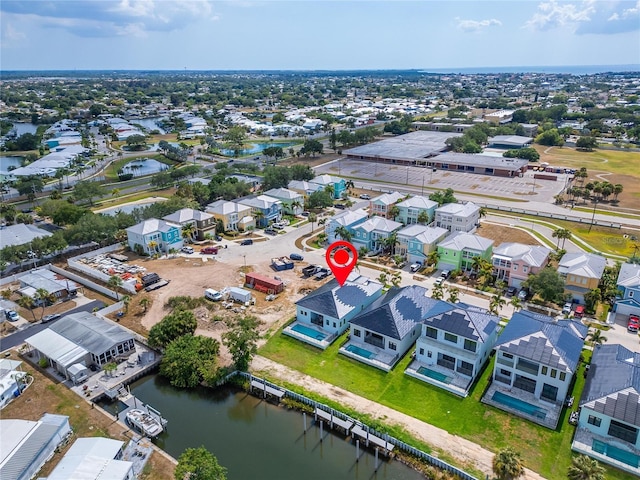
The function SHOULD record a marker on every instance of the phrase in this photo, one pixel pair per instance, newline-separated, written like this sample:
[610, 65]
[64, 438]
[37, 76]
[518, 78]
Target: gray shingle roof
[540, 339]
[395, 314]
[613, 384]
[469, 324]
[583, 264]
[335, 301]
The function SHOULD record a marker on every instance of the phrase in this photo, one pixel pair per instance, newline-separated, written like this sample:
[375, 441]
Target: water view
[255, 439]
[255, 148]
[129, 208]
[9, 161]
[21, 128]
[144, 167]
[151, 123]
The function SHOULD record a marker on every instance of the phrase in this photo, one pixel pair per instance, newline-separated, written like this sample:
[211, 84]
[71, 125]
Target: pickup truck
[310, 270]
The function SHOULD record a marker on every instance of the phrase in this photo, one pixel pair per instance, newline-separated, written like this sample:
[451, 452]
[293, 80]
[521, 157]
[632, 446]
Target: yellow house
[234, 216]
[582, 272]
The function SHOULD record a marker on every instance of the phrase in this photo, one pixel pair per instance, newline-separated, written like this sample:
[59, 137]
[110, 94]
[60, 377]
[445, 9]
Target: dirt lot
[501, 234]
[190, 276]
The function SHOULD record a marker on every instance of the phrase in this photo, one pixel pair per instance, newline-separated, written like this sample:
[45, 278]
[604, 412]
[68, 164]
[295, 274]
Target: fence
[569, 218]
[75, 264]
[391, 440]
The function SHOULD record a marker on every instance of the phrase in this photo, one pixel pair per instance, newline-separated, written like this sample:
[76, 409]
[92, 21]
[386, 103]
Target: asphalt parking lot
[525, 188]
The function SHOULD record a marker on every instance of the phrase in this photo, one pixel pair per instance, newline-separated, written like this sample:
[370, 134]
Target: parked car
[277, 226]
[415, 267]
[523, 295]
[296, 256]
[305, 214]
[270, 231]
[439, 281]
[634, 323]
[50, 318]
[339, 206]
[445, 274]
[567, 308]
[579, 312]
[12, 315]
[364, 196]
[188, 250]
[218, 238]
[511, 291]
[209, 251]
[246, 241]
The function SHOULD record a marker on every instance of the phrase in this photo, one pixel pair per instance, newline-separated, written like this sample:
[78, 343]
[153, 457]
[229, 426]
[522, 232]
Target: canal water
[255, 439]
[254, 148]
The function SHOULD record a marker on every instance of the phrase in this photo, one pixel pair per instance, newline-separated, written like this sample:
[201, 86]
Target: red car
[209, 251]
[634, 323]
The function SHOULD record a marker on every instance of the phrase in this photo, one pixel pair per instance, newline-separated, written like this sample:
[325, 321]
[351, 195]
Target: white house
[324, 314]
[453, 347]
[93, 458]
[609, 419]
[536, 358]
[11, 376]
[458, 217]
[292, 201]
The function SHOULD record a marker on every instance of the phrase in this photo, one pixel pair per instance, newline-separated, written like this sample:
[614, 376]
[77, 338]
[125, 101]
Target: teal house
[416, 242]
[410, 209]
[457, 251]
[154, 236]
[374, 233]
[329, 181]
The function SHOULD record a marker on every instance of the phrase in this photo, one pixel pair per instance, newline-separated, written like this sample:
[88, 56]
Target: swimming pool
[616, 453]
[520, 405]
[308, 332]
[361, 352]
[441, 377]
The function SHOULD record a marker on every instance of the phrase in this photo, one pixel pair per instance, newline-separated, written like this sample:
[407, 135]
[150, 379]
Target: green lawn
[613, 161]
[544, 451]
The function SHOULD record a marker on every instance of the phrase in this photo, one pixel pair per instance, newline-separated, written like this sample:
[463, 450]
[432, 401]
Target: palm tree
[393, 212]
[438, 292]
[596, 337]
[433, 258]
[188, 231]
[27, 303]
[153, 246]
[423, 217]
[115, 282]
[496, 303]
[115, 193]
[43, 297]
[585, 468]
[515, 303]
[454, 294]
[349, 185]
[331, 190]
[295, 205]
[617, 190]
[126, 300]
[313, 218]
[390, 242]
[561, 233]
[344, 233]
[482, 213]
[383, 277]
[507, 464]
[144, 303]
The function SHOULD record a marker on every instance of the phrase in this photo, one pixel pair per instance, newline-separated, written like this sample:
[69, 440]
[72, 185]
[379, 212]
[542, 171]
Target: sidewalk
[464, 451]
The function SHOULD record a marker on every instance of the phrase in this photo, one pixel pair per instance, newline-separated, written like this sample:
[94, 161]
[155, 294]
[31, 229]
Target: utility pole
[593, 216]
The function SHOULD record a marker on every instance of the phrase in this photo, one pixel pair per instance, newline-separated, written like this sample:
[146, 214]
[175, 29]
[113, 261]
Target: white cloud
[11, 36]
[553, 14]
[476, 25]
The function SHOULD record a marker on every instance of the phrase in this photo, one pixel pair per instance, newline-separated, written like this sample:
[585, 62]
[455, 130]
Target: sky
[315, 35]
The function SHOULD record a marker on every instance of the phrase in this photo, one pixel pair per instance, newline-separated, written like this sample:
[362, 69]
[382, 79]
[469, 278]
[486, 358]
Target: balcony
[527, 367]
[504, 361]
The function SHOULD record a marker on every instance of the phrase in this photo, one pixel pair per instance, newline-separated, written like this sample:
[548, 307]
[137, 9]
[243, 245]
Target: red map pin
[341, 257]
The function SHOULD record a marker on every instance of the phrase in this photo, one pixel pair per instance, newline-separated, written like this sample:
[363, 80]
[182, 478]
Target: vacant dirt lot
[501, 234]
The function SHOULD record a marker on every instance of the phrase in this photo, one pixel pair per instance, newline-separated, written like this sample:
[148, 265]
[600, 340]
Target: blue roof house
[386, 329]
[373, 232]
[265, 209]
[629, 287]
[453, 347]
[324, 314]
[536, 358]
[609, 418]
[348, 219]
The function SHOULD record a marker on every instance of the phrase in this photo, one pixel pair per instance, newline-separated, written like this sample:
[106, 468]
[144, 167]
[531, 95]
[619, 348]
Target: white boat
[144, 422]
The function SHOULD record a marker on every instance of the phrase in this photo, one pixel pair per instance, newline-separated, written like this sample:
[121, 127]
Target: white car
[566, 309]
[439, 281]
[415, 267]
[188, 250]
[364, 196]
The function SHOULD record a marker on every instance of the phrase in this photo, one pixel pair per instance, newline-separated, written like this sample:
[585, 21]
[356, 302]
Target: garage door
[623, 309]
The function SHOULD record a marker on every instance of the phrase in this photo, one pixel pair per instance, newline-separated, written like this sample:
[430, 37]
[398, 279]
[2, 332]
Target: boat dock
[369, 438]
[266, 389]
[333, 420]
[135, 405]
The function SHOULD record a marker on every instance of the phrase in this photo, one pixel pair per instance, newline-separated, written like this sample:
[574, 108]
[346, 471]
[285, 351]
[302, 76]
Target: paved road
[19, 337]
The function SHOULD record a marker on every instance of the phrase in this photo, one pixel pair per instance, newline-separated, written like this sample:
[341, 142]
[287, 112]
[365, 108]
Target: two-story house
[582, 272]
[514, 262]
[329, 182]
[458, 217]
[154, 236]
[410, 209]
[629, 290]
[292, 201]
[235, 217]
[382, 205]
[374, 232]
[536, 358]
[457, 251]
[324, 314]
[202, 223]
[347, 219]
[386, 329]
[453, 347]
[416, 241]
[264, 209]
[609, 419]
[304, 188]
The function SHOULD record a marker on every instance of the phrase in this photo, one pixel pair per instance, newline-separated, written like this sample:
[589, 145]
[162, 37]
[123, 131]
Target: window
[432, 332]
[470, 345]
[549, 392]
[554, 372]
[507, 355]
[525, 269]
[563, 375]
[356, 333]
[392, 346]
[421, 351]
[334, 324]
[450, 337]
[429, 354]
[623, 432]
[504, 372]
[515, 268]
[545, 370]
[595, 421]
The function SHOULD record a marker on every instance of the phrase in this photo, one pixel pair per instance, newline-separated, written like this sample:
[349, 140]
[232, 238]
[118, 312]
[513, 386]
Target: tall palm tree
[144, 303]
[393, 212]
[331, 190]
[27, 302]
[295, 205]
[561, 233]
[349, 185]
[313, 218]
[344, 233]
[423, 217]
[433, 258]
[126, 301]
[496, 303]
[585, 468]
[515, 303]
[390, 242]
[438, 291]
[617, 190]
[153, 246]
[43, 297]
[596, 337]
[188, 231]
[507, 464]
[454, 294]
[115, 282]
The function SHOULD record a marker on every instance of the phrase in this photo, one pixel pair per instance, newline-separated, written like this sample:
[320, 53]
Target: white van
[213, 295]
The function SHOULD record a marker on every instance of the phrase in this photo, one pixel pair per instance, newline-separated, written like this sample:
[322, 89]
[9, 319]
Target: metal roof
[470, 324]
[187, 215]
[92, 459]
[466, 241]
[335, 301]
[541, 339]
[582, 264]
[613, 383]
[534, 255]
[459, 209]
[20, 234]
[629, 275]
[152, 225]
[90, 332]
[412, 146]
[56, 347]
